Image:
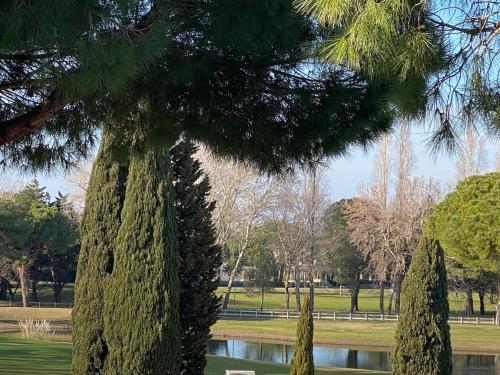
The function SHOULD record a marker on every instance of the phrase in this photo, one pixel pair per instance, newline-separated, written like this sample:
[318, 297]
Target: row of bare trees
[291, 203]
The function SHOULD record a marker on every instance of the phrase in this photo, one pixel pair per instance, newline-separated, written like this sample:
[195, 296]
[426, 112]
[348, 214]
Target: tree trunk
[58, 288]
[498, 314]
[262, 298]
[498, 303]
[381, 298]
[297, 289]
[397, 306]
[481, 302]
[311, 290]
[492, 294]
[391, 296]
[234, 272]
[354, 292]
[3, 288]
[34, 290]
[21, 272]
[469, 303]
[287, 291]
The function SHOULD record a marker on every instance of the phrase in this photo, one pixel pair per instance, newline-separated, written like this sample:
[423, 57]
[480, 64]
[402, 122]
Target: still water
[463, 364]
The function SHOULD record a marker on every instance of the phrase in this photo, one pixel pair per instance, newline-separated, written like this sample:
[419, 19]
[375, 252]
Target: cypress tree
[99, 228]
[141, 310]
[302, 361]
[423, 335]
[200, 257]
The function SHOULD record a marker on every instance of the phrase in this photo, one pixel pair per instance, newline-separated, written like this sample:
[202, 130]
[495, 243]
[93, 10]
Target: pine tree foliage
[467, 222]
[302, 361]
[438, 56]
[141, 300]
[200, 257]
[99, 228]
[423, 335]
[233, 75]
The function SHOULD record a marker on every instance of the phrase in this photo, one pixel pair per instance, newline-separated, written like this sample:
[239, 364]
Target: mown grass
[362, 334]
[28, 357]
[325, 299]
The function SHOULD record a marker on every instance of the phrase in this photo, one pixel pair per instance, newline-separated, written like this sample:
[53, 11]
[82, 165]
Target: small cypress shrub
[423, 335]
[99, 228]
[141, 311]
[200, 257]
[302, 361]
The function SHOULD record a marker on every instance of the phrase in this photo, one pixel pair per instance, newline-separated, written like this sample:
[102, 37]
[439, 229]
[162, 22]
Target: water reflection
[463, 364]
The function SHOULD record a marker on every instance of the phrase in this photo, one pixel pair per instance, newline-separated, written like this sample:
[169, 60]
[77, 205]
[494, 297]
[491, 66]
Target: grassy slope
[466, 338]
[26, 357]
[326, 299]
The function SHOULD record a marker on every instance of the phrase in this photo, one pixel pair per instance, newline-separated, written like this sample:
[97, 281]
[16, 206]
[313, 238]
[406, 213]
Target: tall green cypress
[302, 361]
[423, 335]
[141, 311]
[200, 257]
[99, 228]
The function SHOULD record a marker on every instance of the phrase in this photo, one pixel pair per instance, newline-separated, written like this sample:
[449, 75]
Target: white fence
[328, 315]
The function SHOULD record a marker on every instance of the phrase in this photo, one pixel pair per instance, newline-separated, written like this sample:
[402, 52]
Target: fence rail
[329, 315]
[37, 304]
[289, 314]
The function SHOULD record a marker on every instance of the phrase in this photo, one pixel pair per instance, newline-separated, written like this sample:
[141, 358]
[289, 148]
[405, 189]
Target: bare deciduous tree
[242, 200]
[472, 158]
[386, 226]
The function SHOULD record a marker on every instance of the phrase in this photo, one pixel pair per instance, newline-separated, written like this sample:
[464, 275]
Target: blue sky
[344, 174]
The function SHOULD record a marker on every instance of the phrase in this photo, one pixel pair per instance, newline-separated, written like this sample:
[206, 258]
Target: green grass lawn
[362, 334]
[27, 357]
[359, 333]
[325, 299]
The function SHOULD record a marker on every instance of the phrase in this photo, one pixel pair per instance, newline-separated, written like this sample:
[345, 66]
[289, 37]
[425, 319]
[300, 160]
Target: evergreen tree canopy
[344, 260]
[438, 56]
[302, 361]
[200, 257]
[231, 74]
[30, 226]
[423, 335]
[99, 228]
[467, 222]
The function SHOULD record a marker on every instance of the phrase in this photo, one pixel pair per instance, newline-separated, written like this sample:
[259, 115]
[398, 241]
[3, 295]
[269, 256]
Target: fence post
[225, 312]
[241, 314]
[319, 315]
[39, 305]
[350, 316]
[272, 313]
[334, 316]
[397, 317]
[366, 316]
[256, 313]
[461, 320]
[477, 320]
[287, 314]
[382, 317]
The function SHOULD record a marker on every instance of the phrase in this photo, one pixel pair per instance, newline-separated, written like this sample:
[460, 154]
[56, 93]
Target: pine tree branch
[18, 127]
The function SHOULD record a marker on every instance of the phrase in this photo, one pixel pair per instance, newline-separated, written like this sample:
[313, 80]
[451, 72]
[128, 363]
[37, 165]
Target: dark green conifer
[200, 257]
[99, 228]
[141, 304]
[302, 361]
[423, 334]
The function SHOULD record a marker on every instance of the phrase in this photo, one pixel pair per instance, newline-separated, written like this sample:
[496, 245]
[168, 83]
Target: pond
[463, 364]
